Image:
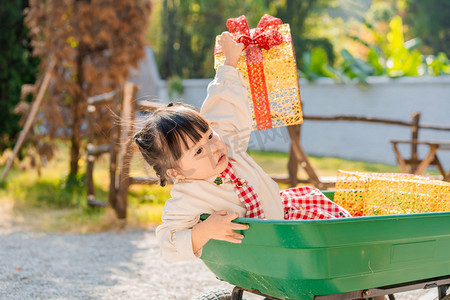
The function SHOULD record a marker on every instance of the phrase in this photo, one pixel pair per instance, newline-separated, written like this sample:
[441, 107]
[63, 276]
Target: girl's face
[206, 158]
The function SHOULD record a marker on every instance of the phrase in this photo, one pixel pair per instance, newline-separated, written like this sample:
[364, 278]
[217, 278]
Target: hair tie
[138, 139]
[137, 135]
[139, 142]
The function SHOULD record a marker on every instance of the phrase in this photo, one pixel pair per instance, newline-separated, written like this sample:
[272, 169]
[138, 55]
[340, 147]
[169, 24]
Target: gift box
[269, 67]
[368, 194]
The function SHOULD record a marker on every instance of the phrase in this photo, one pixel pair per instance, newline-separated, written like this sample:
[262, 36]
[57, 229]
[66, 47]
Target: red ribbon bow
[265, 35]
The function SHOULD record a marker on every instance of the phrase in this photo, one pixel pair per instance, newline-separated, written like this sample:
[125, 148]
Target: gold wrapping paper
[367, 194]
[280, 73]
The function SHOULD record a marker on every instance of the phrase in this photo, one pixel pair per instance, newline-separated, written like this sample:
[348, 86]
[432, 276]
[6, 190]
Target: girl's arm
[226, 104]
[181, 240]
[182, 230]
[218, 227]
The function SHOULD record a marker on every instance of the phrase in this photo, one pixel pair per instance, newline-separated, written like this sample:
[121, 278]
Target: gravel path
[102, 266]
[95, 266]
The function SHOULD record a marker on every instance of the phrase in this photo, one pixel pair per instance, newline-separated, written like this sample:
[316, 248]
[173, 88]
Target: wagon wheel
[216, 294]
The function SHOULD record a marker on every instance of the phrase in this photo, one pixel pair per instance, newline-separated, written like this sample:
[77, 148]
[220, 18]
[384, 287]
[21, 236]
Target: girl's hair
[165, 134]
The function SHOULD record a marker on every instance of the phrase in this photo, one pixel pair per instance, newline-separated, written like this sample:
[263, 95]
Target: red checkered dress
[299, 203]
[306, 203]
[245, 192]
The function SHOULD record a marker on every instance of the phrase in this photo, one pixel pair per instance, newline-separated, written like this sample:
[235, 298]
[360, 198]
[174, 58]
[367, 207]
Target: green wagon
[354, 258]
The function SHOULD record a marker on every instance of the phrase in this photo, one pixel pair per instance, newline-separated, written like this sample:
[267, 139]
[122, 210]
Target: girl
[205, 156]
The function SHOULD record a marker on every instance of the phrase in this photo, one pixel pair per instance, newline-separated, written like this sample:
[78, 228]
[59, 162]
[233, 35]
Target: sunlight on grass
[45, 203]
[276, 163]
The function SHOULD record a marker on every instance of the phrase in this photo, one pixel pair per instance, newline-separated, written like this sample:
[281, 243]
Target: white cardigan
[226, 107]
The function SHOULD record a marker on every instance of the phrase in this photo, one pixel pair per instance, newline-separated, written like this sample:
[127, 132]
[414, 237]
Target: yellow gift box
[269, 67]
[368, 194]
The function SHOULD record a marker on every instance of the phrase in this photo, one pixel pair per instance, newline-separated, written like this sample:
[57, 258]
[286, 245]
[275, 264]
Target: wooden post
[292, 168]
[90, 156]
[114, 140]
[401, 162]
[427, 160]
[293, 162]
[126, 149]
[302, 158]
[30, 120]
[415, 118]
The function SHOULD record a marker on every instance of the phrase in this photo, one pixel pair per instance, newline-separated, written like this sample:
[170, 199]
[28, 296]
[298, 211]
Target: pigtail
[153, 156]
[161, 173]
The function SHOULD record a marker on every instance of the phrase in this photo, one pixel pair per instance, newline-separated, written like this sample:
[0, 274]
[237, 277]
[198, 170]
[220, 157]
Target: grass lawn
[47, 203]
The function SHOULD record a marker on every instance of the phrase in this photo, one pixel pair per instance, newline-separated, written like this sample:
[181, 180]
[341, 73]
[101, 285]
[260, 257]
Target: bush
[17, 67]
[390, 55]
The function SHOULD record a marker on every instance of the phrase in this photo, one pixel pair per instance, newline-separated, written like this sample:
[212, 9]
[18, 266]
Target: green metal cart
[351, 258]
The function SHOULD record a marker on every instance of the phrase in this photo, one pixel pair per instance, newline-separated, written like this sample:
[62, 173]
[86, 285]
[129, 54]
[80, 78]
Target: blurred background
[91, 47]
[350, 37]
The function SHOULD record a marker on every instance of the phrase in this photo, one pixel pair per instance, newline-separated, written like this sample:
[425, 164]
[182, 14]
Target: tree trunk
[76, 118]
[75, 140]
[167, 65]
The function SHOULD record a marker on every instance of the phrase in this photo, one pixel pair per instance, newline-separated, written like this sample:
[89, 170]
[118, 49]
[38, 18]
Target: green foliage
[388, 55]
[355, 67]
[400, 61]
[184, 44]
[303, 45]
[3, 184]
[429, 20]
[400, 58]
[375, 60]
[176, 88]
[190, 27]
[439, 65]
[50, 193]
[183, 33]
[315, 65]
[75, 180]
[17, 67]
[307, 13]
[48, 203]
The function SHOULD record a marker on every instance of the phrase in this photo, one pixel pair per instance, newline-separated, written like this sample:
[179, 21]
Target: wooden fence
[414, 124]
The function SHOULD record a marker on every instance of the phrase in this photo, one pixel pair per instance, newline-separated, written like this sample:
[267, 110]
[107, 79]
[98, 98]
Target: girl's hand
[218, 227]
[230, 48]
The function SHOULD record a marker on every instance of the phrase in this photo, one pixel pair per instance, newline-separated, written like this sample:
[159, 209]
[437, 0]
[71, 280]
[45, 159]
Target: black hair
[165, 135]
